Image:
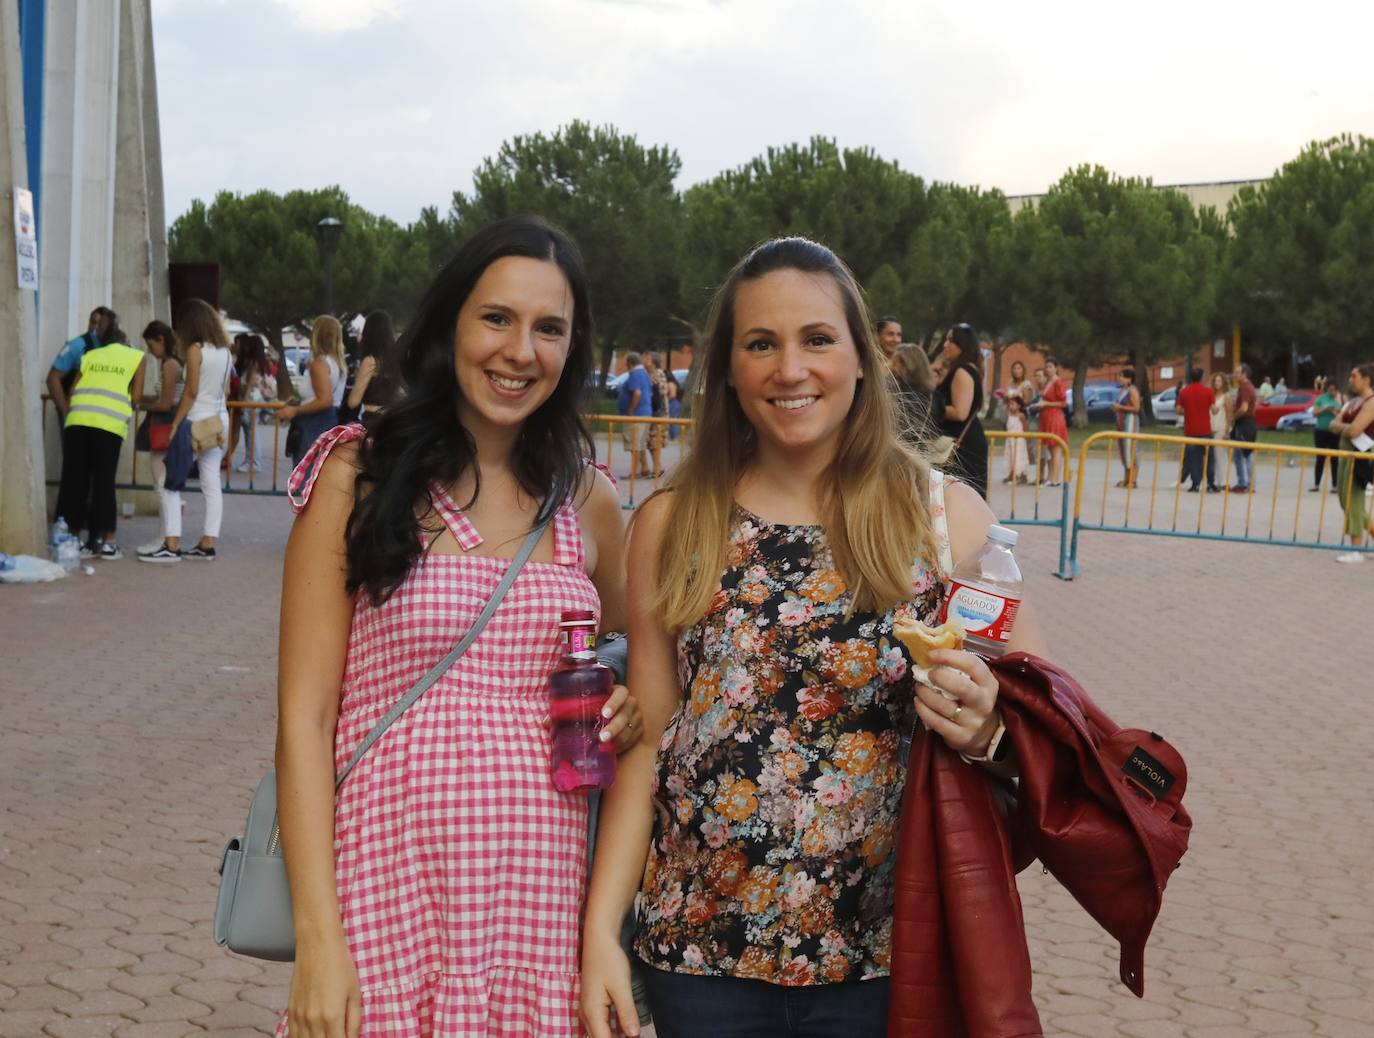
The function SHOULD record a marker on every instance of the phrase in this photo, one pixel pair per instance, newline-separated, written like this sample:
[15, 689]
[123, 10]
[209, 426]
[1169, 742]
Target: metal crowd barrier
[1149, 507]
[1041, 441]
[253, 480]
[637, 434]
[1222, 516]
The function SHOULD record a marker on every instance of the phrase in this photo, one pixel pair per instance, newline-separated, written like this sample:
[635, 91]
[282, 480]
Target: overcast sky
[399, 100]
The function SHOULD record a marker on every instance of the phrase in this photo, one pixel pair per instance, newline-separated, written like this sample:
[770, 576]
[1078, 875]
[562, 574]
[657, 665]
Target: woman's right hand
[606, 986]
[326, 1000]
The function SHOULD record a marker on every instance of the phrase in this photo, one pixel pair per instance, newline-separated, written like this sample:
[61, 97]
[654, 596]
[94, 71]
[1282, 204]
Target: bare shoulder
[338, 477]
[596, 493]
[598, 506]
[968, 517]
[650, 522]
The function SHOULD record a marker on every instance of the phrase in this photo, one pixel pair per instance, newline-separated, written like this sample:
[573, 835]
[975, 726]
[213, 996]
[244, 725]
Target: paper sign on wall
[25, 239]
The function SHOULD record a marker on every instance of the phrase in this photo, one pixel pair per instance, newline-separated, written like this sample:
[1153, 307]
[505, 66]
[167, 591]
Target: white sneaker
[1351, 556]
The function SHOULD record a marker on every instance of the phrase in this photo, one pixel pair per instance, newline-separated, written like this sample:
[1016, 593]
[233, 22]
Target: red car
[1287, 401]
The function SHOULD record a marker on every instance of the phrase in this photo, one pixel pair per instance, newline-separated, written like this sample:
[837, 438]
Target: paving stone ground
[137, 711]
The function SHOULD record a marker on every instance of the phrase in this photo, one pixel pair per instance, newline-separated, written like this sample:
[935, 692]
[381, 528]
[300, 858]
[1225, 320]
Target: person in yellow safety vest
[98, 415]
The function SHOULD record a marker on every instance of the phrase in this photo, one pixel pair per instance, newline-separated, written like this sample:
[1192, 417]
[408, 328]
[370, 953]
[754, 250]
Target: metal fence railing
[660, 441]
[1278, 508]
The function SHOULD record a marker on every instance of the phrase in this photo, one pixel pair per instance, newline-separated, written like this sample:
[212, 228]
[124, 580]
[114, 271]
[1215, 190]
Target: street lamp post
[328, 232]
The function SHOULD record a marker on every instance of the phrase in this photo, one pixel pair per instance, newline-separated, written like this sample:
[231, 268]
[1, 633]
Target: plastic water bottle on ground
[985, 594]
[69, 553]
[56, 535]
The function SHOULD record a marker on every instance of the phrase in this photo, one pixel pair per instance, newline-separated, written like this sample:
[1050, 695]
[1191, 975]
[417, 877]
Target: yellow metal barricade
[642, 439]
[1160, 504]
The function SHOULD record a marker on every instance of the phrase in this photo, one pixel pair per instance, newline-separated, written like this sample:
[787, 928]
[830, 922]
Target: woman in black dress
[961, 393]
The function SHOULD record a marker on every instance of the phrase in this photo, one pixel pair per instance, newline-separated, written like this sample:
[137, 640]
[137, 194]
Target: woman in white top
[1220, 414]
[318, 411]
[208, 369]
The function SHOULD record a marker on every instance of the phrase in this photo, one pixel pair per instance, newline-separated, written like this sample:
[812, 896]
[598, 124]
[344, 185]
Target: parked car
[1289, 401]
[297, 361]
[1166, 405]
[1100, 397]
[1297, 421]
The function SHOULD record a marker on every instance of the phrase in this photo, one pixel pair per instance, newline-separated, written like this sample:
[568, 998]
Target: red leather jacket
[1097, 804]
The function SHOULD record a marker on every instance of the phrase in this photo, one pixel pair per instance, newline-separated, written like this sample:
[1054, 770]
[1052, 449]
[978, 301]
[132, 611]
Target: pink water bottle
[578, 689]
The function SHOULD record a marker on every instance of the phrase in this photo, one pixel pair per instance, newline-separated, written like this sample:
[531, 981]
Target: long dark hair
[969, 350]
[419, 440]
[162, 331]
[378, 341]
[253, 353]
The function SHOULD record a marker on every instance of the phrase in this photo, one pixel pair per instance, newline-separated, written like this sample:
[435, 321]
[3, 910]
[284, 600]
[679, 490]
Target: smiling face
[1051, 371]
[890, 337]
[1018, 372]
[511, 341]
[794, 363]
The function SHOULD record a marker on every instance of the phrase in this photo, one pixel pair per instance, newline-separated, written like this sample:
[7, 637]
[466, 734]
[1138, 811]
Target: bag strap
[425, 683]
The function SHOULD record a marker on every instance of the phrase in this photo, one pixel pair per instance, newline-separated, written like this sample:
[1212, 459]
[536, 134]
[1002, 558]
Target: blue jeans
[313, 426]
[687, 1006]
[1244, 431]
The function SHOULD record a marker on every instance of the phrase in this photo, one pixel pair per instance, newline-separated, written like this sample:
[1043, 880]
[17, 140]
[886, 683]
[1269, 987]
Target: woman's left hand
[622, 724]
[968, 721]
[285, 414]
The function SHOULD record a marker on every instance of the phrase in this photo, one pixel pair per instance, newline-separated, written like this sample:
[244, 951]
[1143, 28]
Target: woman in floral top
[762, 589]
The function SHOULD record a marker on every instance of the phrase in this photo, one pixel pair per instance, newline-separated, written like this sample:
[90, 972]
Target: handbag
[253, 907]
[159, 436]
[208, 433]
[293, 437]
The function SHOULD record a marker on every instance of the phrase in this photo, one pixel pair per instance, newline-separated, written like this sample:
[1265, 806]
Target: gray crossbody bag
[253, 909]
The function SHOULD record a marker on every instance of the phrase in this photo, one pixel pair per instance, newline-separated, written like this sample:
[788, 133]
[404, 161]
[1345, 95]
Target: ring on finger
[958, 709]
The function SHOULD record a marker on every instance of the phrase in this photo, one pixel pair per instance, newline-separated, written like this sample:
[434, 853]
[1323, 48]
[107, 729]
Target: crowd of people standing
[98, 383]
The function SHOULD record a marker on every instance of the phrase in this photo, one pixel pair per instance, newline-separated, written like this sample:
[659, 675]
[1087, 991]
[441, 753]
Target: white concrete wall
[76, 224]
[136, 213]
[21, 372]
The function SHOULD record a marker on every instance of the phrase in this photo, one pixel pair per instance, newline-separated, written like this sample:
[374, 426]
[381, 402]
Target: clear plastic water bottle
[69, 553]
[985, 594]
[56, 535]
[578, 689]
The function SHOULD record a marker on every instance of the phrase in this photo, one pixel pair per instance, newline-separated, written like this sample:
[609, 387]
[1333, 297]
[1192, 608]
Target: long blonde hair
[326, 339]
[874, 512]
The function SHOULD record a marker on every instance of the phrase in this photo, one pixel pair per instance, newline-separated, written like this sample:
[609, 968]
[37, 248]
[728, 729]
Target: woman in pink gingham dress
[457, 867]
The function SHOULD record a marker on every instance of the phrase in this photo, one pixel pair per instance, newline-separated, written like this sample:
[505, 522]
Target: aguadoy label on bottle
[984, 613]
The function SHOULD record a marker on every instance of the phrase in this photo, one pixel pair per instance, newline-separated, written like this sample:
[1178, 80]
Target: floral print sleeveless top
[778, 784]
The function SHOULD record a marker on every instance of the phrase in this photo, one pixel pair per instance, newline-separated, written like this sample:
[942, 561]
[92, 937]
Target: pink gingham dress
[460, 868]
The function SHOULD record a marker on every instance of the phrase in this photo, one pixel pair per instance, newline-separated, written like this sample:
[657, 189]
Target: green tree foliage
[955, 265]
[271, 270]
[1112, 267]
[1299, 266]
[863, 207]
[614, 196]
[886, 296]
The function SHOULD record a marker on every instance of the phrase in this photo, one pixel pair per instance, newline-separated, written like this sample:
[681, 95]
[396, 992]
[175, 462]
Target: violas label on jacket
[1147, 771]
